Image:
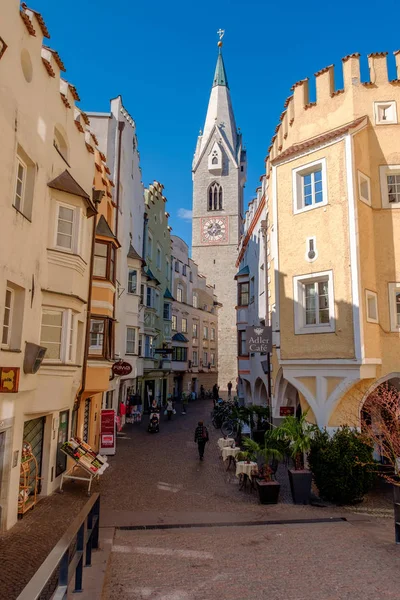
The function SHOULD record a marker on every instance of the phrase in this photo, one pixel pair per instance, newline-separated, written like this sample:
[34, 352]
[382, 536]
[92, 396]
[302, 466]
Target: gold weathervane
[220, 33]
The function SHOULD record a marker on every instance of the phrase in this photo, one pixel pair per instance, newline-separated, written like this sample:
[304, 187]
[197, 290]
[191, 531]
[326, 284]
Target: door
[86, 420]
[61, 458]
[33, 434]
[164, 391]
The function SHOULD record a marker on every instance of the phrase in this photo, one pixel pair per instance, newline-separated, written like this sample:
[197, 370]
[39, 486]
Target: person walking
[215, 393]
[170, 409]
[185, 402]
[229, 389]
[202, 392]
[201, 438]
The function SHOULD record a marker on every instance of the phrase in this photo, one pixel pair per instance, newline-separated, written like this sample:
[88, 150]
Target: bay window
[57, 334]
[132, 281]
[243, 295]
[101, 340]
[104, 261]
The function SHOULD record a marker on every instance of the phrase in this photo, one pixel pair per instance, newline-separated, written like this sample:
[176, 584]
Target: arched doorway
[260, 393]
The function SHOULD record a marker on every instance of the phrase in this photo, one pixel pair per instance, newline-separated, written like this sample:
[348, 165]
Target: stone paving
[157, 479]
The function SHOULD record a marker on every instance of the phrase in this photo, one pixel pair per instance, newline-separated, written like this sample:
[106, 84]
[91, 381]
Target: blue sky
[160, 56]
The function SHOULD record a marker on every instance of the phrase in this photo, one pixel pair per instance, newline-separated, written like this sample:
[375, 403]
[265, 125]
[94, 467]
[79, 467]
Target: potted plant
[262, 413]
[299, 434]
[268, 489]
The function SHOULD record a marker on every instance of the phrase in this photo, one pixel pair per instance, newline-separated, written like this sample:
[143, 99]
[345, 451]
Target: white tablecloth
[223, 442]
[226, 452]
[245, 468]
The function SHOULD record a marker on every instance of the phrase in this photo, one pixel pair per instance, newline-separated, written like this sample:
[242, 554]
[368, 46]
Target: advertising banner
[107, 432]
[258, 339]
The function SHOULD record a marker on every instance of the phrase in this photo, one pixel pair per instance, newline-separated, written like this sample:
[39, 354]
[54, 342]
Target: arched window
[215, 196]
[60, 143]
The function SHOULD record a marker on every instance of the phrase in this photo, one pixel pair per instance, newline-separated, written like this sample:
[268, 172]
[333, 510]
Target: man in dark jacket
[201, 437]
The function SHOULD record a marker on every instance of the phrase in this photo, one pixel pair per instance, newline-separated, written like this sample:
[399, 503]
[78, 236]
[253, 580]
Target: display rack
[86, 459]
[28, 480]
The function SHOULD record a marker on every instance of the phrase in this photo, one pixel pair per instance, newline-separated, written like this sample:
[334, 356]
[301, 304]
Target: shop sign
[258, 339]
[163, 351]
[286, 411]
[121, 368]
[107, 431]
[9, 380]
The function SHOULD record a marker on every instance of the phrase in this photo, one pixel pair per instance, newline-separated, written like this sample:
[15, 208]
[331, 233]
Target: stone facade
[194, 319]
[219, 174]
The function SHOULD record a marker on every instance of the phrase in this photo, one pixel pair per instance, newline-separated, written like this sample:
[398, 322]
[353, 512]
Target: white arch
[373, 386]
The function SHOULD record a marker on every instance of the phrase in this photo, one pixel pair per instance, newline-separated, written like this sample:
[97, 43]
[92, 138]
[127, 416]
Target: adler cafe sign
[258, 339]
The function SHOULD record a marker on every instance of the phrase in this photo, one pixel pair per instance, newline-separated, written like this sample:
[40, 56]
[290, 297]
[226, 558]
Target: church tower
[219, 175]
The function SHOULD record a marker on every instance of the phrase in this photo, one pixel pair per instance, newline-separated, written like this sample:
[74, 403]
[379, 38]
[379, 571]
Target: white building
[252, 299]
[116, 133]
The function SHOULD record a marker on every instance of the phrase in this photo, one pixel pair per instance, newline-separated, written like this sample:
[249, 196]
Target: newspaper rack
[86, 459]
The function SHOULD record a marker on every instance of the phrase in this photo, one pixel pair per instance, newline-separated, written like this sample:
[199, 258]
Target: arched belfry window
[215, 196]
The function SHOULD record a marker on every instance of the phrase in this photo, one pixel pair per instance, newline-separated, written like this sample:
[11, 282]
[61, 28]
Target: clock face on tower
[214, 230]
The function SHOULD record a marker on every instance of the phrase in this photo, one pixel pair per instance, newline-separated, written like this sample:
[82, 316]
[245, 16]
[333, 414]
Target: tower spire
[220, 77]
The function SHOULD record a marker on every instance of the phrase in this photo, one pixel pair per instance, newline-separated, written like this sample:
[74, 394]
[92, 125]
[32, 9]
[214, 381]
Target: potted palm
[268, 489]
[298, 433]
[262, 413]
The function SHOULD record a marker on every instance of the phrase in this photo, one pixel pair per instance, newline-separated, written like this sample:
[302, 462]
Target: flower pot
[268, 491]
[300, 485]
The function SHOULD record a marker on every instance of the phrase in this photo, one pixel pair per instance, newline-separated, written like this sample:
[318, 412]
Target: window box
[371, 302]
[309, 186]
[390, 185]
[314, 303]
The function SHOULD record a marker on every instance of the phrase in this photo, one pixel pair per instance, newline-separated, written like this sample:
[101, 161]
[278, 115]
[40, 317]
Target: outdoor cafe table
[244, 471]
[229, 454]
[223, 442]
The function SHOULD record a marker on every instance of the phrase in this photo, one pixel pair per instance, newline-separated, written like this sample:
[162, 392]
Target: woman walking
[170, 408]
[201, 437]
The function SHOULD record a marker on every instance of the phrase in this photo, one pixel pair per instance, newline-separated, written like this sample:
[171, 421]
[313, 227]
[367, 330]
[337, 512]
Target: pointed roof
[133, 254]
[168, 295]
[179, 337]
[103, 228]
[150, 275]
[220, 77]
[66, 183]
[243, 272]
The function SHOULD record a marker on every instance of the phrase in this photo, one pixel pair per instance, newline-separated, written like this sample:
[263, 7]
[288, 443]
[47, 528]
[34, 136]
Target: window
[309, 186]
[195, 301]
[140, 346]
[195, 358]
[212, 334]
[158, 258]
[179, 354]
[167, 311]
[176, 266]
[371, 300]
[66, 227]
[7, 320]
[132, 281]
[174, 323]
[62, 437]
[390, 185]
[191, 277]
[148, 346]
[149, 245]
[205, 332]
[130, 340]
[215, 196]
[179, 293]
[195, 330]
[385, 113]
[251, 290]
[60, 144]
[96, 342]
[364, 188]
[104, 261]
[184, 270]
[184, 326]
[242, 351]
[150, 297]
[394, 303]
[167, 270]
[212, 359]
[142, 294]
[157, 301]
[243, 299]
[57, 334]
[314, 303]
[24, 179]
[205, 359]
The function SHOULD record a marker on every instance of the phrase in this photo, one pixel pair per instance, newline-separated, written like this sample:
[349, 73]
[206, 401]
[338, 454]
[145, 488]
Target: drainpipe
[264, 231]
[97, 196]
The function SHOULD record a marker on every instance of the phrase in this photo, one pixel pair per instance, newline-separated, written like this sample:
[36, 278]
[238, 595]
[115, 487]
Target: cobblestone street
[157, 480]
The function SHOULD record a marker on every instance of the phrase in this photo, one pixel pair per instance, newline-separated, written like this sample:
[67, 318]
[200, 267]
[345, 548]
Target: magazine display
[83, 454]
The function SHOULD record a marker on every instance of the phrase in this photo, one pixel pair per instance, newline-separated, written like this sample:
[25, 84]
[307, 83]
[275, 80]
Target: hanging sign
[258, 339]
[107, 432]
[121, 368]
[286, 411]
[9, 380]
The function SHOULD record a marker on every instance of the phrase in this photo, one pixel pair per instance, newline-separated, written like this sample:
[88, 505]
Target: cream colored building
[333, 212]
[194, 325]
[46, 179]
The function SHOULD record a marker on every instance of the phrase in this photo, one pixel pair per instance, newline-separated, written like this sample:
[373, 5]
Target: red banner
[107, 434]
[286, 411]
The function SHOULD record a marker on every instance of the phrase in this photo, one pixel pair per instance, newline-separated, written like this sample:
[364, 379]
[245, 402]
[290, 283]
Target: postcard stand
[85, 459]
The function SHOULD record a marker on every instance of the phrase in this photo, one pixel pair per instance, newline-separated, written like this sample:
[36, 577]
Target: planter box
[268, 491]
[300, 485]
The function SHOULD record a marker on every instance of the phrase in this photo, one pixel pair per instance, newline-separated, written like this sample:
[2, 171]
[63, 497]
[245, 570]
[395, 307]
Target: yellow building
[96, 391]
[47, 210]
[333, 200]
